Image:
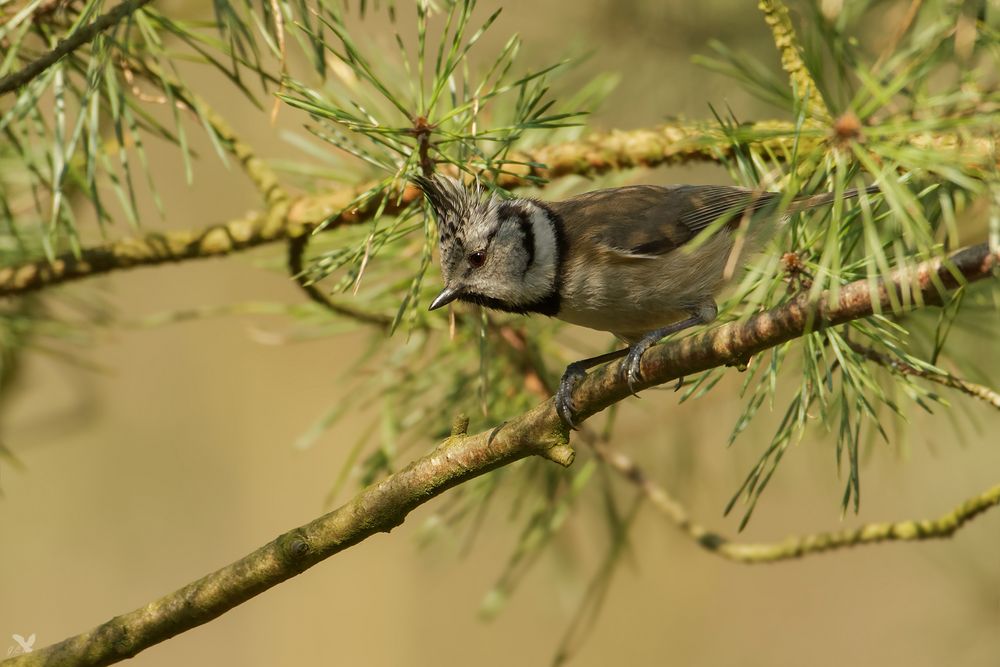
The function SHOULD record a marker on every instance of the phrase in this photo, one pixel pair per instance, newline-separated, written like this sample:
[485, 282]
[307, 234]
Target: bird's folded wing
[649, 221]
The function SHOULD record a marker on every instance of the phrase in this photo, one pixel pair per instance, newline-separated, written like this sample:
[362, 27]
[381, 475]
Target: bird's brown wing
[651, 220]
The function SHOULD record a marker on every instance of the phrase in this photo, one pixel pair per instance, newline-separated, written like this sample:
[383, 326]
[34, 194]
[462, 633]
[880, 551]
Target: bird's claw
[631, 368]
[565, 407]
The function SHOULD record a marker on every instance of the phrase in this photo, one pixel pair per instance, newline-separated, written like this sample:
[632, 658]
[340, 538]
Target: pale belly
[628, 323]
[633, 297]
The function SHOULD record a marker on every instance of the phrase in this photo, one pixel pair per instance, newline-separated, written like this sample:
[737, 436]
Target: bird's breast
[632, 296]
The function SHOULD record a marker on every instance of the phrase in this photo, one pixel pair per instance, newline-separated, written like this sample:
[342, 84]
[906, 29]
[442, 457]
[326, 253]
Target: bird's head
[491, 250]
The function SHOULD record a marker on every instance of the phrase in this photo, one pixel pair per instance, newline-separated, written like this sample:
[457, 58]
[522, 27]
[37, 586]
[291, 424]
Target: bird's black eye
[477, 259]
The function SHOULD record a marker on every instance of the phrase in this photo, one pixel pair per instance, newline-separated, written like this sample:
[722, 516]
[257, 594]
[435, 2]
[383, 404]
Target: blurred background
[161, 453]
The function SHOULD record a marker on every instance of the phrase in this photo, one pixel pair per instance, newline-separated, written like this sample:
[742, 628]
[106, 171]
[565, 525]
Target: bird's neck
[545, 246]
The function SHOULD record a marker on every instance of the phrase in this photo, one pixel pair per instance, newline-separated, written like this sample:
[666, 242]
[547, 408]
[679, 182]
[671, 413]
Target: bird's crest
[454, 204]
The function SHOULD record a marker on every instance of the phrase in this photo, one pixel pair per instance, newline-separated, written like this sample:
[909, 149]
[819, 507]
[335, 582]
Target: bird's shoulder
[649, 220]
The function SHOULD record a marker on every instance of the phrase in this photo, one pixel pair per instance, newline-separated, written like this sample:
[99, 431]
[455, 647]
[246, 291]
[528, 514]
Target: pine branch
[150, 250]
[538, 432]
[900, 367]
[259, 172]
[735, 342]
[598, 154]
[66, 46]
[796, 546]
[296, 267]
[783, 32]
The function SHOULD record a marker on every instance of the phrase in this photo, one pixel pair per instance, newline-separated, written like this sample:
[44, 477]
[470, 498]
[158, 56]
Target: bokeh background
[167, 451]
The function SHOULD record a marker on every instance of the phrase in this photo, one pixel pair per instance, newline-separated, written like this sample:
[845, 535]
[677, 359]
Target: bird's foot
[631, 368]
[565, 407]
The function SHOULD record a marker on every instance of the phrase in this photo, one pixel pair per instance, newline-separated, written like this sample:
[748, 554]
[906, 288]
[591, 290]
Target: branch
[385, 505]
[900, 367]
[150, 250]
[734, 342]
[296, 267]
[783, 32]
[795, 546]
[72, 43]
[258, 171]
[598, 154]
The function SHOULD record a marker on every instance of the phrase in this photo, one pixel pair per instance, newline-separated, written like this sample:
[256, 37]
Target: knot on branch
[460, 425]
[563, 454]
[740, 362]
[554, 445]
[295, 550]
[422, 130]
[847, 128]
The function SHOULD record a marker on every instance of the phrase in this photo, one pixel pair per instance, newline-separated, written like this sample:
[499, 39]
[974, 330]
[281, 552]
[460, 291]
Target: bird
[615, 259]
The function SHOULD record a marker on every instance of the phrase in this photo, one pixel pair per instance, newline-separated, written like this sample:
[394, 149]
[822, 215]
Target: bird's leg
[632, 366]
[575, 372]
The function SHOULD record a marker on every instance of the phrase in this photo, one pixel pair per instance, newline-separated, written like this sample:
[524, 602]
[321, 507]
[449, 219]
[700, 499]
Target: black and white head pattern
[500, 253]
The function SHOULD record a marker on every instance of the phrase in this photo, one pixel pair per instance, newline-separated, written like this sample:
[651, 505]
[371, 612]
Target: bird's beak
[447, 295]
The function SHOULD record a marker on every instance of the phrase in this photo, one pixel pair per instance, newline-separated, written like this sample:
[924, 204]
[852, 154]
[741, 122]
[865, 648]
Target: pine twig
[66, 46]
[297, 246]
[298, 217]
[783, 32]
[795, 546]
[900, 367]
[149, 250]
[260, 174]
[538, 432]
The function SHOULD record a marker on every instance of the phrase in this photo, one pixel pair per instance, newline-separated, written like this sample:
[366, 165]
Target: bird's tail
[812, 201]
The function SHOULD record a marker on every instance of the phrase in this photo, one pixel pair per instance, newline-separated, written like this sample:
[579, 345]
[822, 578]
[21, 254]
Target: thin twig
[279, 32]
[66, 46]
[795, 546]
[538, 432]
[422, 130]
[900, 367]
[259, 172]
[783, 32]
[296, 267]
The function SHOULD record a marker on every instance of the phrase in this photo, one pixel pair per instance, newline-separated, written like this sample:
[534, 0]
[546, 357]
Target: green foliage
[407, 111]
[890, 113]
[378, 108]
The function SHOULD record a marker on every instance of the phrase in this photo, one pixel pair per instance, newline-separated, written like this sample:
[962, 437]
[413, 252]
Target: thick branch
[595, 155]
[733, 343]
[66, 46]
[385, 505]
[379, 508]
[795, 546]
